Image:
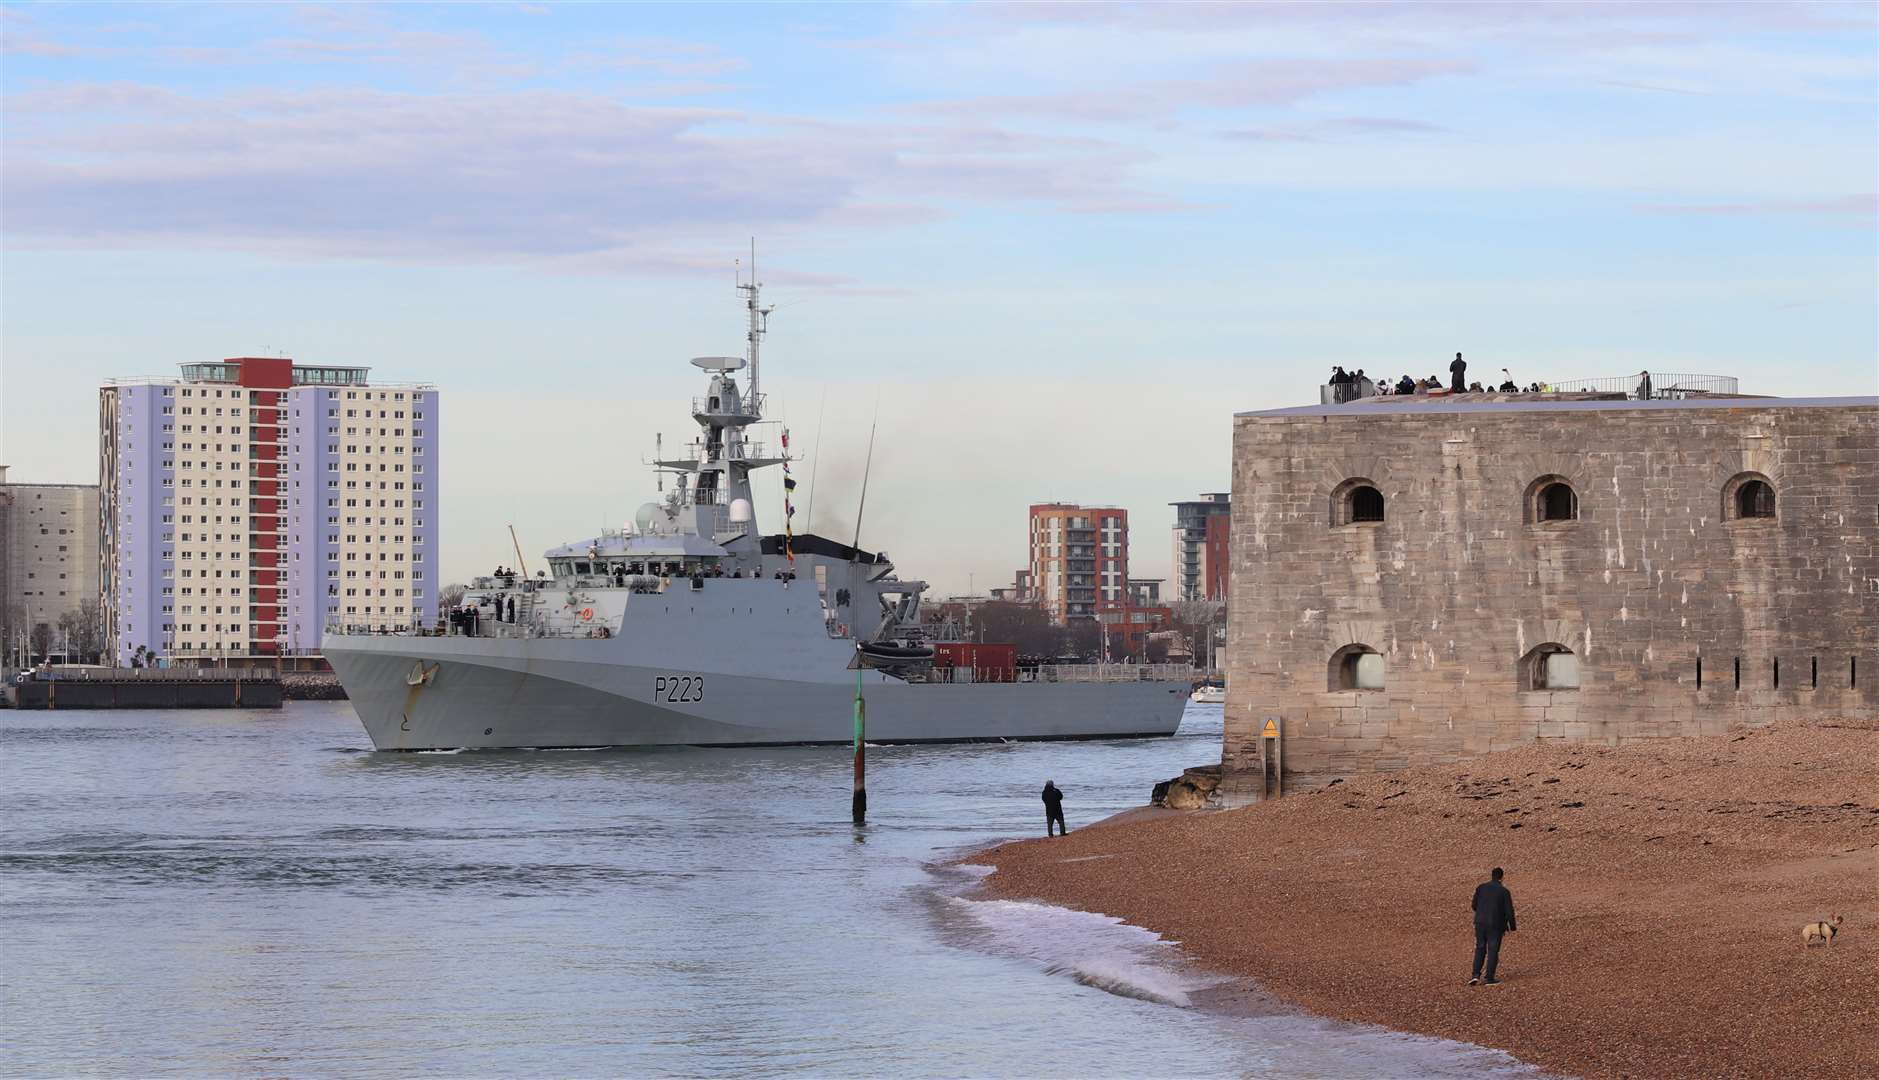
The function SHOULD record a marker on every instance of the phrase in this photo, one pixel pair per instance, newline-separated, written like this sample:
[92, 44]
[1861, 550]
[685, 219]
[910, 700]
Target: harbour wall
[148, 693]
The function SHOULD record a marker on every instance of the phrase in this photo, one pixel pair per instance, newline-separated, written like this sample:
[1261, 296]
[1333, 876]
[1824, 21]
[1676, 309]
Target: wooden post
[860, 806]
[1271, 759]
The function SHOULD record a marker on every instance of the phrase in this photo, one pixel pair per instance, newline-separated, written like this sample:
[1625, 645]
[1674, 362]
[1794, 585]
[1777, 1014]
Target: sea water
[225, 892]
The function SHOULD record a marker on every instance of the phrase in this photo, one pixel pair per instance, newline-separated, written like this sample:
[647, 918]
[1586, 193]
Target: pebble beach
[1660, 887]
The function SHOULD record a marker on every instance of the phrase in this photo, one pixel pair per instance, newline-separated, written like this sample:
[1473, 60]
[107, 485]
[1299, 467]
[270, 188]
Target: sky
[1046, 250]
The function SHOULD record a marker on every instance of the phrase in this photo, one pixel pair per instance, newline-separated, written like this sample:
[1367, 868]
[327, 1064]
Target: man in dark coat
[1457, 372]
[1493, 916]
[1053, 810]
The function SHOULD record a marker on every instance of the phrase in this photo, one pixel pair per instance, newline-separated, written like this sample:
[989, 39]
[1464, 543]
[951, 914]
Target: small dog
[1823, 932]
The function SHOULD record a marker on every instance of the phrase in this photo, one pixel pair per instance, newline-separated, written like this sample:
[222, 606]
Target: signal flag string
[789, 510]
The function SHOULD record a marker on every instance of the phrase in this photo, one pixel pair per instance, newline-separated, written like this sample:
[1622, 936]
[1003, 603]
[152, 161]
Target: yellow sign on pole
[1271, 730]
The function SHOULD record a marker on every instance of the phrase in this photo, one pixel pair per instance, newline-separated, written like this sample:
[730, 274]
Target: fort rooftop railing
[1663, 385]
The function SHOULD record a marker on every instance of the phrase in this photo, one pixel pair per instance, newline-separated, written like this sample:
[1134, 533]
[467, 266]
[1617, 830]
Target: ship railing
[747, 405]
[1115, 673]
[484, 628]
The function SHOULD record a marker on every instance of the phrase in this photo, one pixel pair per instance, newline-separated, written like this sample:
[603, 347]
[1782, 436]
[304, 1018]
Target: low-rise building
[48, 563]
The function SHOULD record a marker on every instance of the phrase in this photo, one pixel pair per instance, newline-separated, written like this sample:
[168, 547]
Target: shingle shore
[1660, 888]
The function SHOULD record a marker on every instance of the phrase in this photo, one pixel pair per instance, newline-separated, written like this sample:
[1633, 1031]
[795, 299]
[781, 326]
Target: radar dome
[642, 519]
[740, 511]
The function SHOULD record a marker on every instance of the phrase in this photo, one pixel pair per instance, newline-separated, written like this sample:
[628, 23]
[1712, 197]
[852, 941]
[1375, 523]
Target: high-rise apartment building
[1079, 558]
[48, 559]
[252, 501]
[1200, 547]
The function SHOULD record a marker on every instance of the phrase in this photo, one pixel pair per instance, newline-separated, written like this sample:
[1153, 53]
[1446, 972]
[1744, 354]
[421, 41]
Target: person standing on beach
[1053, 810]
[1493, 916]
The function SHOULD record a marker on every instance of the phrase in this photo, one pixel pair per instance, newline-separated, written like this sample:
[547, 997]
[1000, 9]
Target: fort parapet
[1422, 579]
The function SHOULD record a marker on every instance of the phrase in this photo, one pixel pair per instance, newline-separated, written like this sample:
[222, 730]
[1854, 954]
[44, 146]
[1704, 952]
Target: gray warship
[688, 626]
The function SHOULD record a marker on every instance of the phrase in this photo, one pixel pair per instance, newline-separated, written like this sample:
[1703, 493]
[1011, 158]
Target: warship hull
[436, 693]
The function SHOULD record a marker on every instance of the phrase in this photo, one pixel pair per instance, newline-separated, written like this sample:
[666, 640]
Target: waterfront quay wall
[145, 689]
[1687, 599]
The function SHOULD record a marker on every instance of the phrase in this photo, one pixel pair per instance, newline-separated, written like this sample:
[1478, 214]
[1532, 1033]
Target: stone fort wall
[1461, 579]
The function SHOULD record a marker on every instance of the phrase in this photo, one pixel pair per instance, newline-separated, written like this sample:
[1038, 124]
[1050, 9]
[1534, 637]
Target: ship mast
[758, 319]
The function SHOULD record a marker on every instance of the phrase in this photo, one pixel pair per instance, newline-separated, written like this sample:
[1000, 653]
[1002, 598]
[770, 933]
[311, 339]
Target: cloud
[1332, 127]
[1850, 209]
[535, 175]
[661, 56]
[1237, 85]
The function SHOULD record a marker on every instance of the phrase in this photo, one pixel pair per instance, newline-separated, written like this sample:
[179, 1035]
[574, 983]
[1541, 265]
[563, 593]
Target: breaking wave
[1098, 951]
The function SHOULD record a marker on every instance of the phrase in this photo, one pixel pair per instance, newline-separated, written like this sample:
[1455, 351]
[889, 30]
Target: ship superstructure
[690, 626]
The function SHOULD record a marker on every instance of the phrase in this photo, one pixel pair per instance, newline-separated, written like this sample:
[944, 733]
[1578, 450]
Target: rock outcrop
[1194, 789]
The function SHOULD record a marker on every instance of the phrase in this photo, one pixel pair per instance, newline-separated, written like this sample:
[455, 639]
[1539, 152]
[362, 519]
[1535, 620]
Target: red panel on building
[263, 613]
[1214, 558]
[263, 506]
[263, 452]
[264, 577]
[265, 541]
[268, 417]
[267, 372]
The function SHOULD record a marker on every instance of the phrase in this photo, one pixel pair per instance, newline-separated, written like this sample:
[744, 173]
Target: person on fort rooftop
[1493, 908]
[1458, 369]
[1053, 810]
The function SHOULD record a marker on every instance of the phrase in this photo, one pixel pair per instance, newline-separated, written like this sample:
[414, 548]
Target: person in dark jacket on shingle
[1053, 809]
[1493, 916]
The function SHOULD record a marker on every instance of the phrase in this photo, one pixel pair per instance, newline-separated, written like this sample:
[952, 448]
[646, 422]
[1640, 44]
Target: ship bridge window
[582, 568]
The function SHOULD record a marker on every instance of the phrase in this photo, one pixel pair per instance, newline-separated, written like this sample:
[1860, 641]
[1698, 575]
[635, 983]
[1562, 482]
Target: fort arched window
[1551, 666]
[1557, 502]
[1755, 499]
[1356, 667]
[1355, 502]
[1748, 495]
[1552, 498]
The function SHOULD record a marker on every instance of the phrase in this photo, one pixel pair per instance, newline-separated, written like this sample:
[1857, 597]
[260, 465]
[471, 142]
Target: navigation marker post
[861, 751]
